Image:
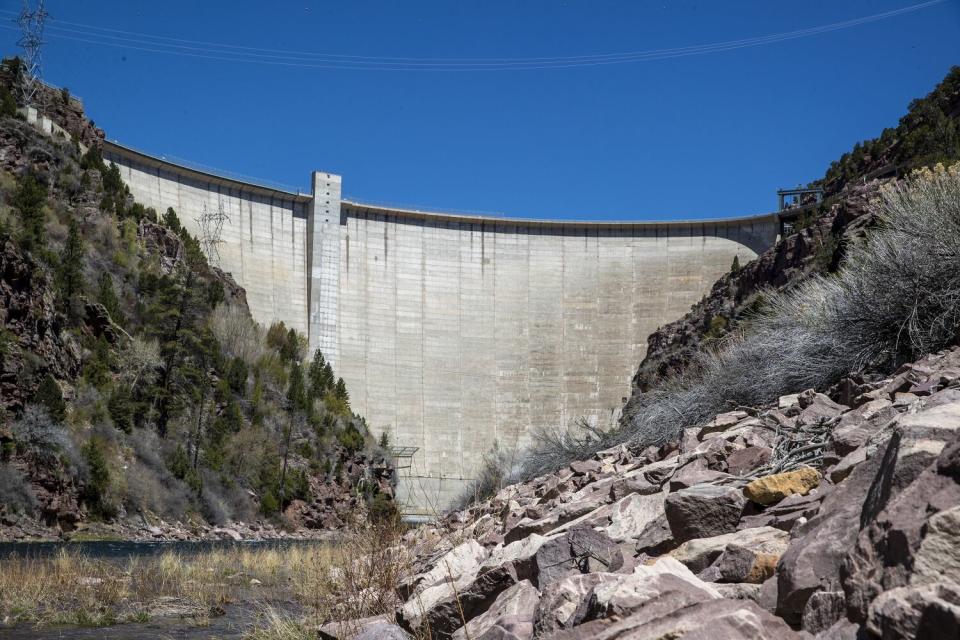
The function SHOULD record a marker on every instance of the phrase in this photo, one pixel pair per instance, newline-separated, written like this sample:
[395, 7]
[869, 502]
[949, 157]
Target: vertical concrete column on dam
[323, 230]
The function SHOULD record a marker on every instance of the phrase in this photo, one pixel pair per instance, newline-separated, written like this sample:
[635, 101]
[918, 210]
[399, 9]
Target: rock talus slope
[731, 532]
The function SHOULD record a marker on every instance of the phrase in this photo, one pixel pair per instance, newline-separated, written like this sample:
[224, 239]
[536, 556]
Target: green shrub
[8, 105]
[107, 296]
[95, 491]
[269, 504]
[121, 408]
[49, 396]
[29, 200]
[383, 510]
[171, 221]
[350, 439]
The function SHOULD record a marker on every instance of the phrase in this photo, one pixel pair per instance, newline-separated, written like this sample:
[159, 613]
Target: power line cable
[237, 53]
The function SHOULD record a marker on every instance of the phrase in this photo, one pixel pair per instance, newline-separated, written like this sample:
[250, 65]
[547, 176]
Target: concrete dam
[454, 333]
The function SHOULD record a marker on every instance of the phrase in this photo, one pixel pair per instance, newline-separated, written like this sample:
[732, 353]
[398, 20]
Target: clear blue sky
[702, 136]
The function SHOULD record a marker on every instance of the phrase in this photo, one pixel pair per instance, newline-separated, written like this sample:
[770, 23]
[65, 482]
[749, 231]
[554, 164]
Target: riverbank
[23, 529]
[249, 590]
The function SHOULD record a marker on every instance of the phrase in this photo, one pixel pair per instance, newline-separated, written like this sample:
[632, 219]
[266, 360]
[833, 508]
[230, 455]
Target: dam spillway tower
[455, 333]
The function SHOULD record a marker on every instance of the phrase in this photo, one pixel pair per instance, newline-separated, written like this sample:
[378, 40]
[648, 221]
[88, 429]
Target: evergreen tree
[171, 221]
[108, 298]
[341, 391]
[98, 481]
[112, 182]
[8, 106]
[296, 391]
[49, 396]
[70, 273]
[177, 311]
[29, 199]
[317, 375]
[297, 406]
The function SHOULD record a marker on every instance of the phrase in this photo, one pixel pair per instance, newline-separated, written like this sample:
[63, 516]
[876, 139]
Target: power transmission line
[31, 41]
[92, 34]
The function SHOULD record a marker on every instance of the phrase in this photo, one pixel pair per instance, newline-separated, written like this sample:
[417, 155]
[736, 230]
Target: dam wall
[455, 334]
[263, 242]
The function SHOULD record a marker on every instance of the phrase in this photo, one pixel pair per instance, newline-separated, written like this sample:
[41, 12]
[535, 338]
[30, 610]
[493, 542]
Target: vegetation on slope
[135, 381]
[816, 238]
[928, 134]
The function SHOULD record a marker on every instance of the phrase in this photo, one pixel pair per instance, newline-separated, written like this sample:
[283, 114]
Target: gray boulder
[510, 617]
[703, 511]
[577, 551]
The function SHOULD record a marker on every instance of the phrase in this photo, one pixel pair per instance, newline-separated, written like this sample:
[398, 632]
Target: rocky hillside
[822, 515]
[817, 237]
[137, 396]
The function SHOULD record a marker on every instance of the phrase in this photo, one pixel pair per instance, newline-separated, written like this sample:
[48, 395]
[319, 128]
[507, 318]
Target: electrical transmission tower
[31, 41]
[211, 226]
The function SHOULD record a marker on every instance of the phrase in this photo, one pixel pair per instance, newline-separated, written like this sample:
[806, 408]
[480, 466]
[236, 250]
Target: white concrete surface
[455, 333]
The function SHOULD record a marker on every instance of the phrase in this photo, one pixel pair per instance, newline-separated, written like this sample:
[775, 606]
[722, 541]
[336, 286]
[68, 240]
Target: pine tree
[341, 391]
[316, 374]
[735, 267]
[171, 221]
[70, 273]
[8, 105]
[108, 298]
[48, 395]
[29, 199]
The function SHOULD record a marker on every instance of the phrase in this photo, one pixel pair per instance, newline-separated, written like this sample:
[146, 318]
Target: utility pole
[31, 41]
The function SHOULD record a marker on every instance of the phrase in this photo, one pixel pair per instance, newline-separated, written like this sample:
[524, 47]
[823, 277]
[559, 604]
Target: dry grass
[74, 589]
[295, 588]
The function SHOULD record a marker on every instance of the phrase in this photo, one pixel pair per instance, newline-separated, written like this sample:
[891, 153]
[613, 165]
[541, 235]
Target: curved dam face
[455, 334]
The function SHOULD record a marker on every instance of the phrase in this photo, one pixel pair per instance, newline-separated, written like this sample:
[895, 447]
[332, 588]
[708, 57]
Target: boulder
[816, 407]
[666, 578]
[577, 551]
[813, 561]
[564, 602]
[659, 472]
[372, 628]
[743, 461]
[857, 426]
[928, 611]
[785, 514]
[703, 511]
[443, 616]
[622, 487]
[738, 563]
[520, 554]
[716, 619]
[631, 515]
[510, 617]
[655, 539]
[700, 553]
[909, 534]
[694, 473]
[774, 488]
[459, 566]
[722, 422]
